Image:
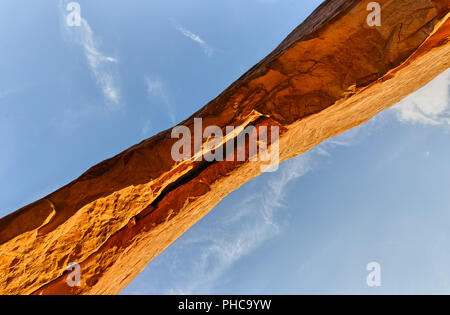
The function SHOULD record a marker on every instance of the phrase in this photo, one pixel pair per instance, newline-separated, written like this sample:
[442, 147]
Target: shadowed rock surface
[332, 73]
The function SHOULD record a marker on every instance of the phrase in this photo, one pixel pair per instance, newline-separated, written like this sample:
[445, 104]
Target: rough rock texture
[332, 73]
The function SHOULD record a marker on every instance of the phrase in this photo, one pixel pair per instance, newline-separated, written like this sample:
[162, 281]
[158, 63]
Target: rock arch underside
[332, 73]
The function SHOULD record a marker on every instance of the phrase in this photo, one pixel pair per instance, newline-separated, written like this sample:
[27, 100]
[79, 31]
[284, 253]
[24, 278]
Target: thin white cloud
[429, 105]
[146, 128]
[73, 115]
[247, 229]
[103, 67]
[7, 143]
[5, 93]
[196, 38]
[158, 90]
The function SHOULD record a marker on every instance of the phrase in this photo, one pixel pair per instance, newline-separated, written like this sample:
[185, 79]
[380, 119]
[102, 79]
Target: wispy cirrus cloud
[103, 67]
[243, 231]
[208, 50]
[7, 143]
[429, 105]
[5, 93]
[146, 128]
[156, 89]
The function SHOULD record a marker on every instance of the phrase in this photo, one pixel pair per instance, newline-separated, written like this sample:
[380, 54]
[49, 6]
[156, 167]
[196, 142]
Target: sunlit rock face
[334, 72]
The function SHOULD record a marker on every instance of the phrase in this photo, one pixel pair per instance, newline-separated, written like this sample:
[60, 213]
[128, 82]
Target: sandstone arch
[332, 73]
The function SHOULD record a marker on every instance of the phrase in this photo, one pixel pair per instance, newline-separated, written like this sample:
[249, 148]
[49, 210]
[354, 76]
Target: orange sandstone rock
[332, 73]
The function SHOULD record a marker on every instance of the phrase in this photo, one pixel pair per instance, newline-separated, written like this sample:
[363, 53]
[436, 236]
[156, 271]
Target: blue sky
[72, 97]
